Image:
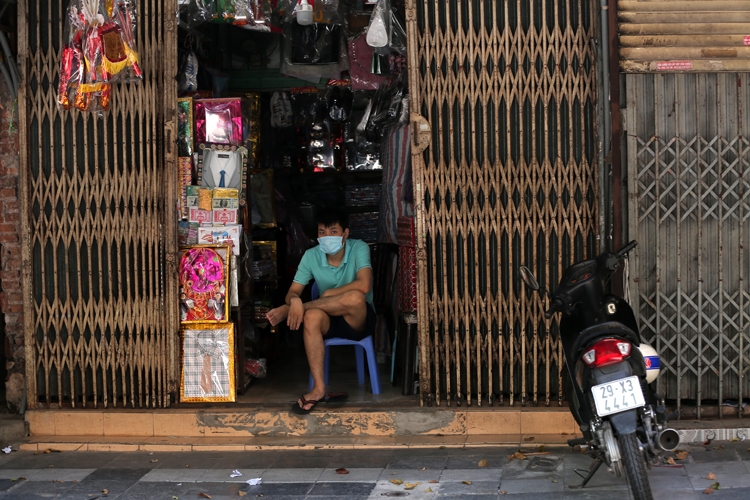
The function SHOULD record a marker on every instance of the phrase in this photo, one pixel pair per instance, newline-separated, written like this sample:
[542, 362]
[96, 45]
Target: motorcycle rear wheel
[635, 467]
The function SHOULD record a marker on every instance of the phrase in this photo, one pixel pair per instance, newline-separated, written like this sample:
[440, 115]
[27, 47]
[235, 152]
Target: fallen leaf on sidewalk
[711, 476]
[715, 486]
[682, 455]
[530, 438]
[411, 486]
[433, 481]
[708, 491]
[519, 455]
[423, 469]
[541, 448]
[670, 461]
[105, 491]
[175, 497]
[204, 495]
[482, 463]
[428, 490]
[154, 461]
[341, 470]
[242, 493]
[503, 492]
[397, 481]
[466, 482]
[734, 440]
[720, 447]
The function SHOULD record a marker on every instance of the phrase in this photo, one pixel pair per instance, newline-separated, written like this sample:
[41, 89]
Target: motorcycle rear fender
[627, 421]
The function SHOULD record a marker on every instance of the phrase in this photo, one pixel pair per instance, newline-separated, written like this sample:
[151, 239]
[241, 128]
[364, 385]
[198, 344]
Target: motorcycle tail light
[607, 352]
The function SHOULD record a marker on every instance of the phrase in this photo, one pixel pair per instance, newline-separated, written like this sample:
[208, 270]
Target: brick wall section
[11, 297]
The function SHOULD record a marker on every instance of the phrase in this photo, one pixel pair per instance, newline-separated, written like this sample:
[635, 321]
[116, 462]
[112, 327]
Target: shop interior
[285, 107]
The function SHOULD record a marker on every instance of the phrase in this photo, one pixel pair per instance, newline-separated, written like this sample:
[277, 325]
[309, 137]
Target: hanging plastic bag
[324, 11]
[378, 31]
[386, 109]
[259, 16]
[71, 59]
[315, 52]
[100, 50]
[199, 12]
[360, 63]
[188, 79]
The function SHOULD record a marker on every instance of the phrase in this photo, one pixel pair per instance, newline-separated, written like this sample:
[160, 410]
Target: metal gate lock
[421, 133]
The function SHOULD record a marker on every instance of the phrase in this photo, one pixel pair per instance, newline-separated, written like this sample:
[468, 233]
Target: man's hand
[296, 313]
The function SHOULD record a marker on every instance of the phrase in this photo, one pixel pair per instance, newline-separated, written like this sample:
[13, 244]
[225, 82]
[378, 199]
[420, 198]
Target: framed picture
[213, 158]
[262, 199]
[207, 363]
[204, 283]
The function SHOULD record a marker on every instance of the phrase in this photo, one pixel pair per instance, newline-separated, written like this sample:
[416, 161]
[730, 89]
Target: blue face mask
[331, 244]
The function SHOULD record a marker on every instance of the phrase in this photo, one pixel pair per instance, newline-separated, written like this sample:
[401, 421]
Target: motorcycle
[609, 370]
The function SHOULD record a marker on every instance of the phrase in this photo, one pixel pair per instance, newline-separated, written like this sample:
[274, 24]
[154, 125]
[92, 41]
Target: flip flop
[331, 397]
[300, 410]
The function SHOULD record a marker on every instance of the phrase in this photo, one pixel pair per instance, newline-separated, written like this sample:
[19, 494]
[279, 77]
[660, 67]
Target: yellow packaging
[204, 199]
[226, 193]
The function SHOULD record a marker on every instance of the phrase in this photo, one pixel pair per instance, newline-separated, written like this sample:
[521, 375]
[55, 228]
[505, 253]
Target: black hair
[329, 216]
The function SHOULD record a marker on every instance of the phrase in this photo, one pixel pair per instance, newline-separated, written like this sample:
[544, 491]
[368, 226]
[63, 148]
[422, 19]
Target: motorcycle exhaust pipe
[668, 440]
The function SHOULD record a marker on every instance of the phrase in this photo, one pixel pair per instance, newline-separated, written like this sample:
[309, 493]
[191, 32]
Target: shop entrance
[321, 121]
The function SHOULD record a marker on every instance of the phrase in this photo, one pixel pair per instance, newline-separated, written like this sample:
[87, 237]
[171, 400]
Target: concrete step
[349, 426]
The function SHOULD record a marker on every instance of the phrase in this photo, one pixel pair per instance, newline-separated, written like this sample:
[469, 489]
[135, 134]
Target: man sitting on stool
[341, 268]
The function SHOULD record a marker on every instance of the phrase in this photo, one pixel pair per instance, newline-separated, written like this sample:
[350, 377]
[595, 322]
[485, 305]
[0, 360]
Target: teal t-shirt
[314, 266]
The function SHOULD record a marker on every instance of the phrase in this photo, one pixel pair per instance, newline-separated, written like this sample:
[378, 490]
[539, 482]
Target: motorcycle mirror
[528, 278]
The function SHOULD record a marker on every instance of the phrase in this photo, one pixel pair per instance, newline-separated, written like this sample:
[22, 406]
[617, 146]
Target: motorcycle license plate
[618, 395]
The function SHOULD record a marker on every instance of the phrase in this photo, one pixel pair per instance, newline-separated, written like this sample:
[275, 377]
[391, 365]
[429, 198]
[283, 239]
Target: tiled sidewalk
[441, 474]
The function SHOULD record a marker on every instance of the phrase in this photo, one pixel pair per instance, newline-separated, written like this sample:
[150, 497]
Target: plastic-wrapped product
[256, 367]
[360, 65]
[100, 49]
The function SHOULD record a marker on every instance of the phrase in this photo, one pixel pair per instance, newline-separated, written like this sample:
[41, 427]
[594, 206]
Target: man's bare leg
[351, 305]
[316, 325]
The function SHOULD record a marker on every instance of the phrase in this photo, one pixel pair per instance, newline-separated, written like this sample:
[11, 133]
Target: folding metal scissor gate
[97, 201]
[508, 89]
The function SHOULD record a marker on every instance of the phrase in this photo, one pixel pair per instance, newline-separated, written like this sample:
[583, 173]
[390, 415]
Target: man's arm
[362, 283]
[294, 292]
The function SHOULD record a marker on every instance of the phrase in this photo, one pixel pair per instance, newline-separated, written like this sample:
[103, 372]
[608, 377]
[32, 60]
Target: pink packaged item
[219, 121]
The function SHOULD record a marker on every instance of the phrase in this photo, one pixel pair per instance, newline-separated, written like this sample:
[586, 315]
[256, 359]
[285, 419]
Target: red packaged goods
[407, 279]
[406, 231]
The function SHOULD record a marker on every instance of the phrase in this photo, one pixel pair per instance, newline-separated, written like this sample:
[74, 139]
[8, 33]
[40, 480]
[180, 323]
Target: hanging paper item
[99, 50]
[204, 275]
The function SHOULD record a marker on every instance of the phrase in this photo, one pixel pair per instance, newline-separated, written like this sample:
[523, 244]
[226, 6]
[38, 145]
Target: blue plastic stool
[361, 347]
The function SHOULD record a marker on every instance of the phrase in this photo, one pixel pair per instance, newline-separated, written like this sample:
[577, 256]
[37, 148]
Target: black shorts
[340, 328]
